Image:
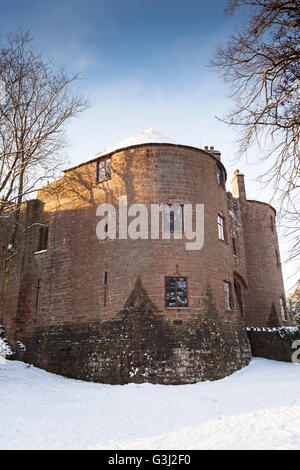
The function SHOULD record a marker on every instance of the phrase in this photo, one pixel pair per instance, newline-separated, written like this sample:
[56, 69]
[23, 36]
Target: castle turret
[266, 290]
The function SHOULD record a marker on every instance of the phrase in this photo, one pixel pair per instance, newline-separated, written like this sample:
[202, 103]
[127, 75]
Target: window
[105, 288]
[283, 308]
[220, 176]
[221, 227]
[272, 223]
[234, 247]
[103, 170]
[228, 295]
[42, 239]
[37, 298]
[176, 292]
[277, 258]
[173, 217]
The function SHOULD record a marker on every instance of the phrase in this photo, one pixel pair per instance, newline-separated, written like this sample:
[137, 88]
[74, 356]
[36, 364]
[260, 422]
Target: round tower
[122, 308]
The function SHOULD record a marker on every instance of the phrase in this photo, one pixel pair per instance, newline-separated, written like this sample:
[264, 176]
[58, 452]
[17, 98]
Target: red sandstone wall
[19, 294]
[264, 274]
[71, 273]
[76, 260]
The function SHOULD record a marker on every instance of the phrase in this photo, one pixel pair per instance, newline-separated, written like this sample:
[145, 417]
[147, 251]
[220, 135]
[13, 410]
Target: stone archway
[240, 287]
[239, 298]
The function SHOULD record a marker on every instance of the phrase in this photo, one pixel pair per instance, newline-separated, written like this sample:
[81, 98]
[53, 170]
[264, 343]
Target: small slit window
[176, 292]
[234, 247]
[272, 223]
[283, 308]
[103, 170]
[105, 279]
[37, 297]
[277, 258]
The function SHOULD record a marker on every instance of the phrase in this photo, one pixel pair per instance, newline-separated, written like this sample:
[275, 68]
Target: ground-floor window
[176, 292]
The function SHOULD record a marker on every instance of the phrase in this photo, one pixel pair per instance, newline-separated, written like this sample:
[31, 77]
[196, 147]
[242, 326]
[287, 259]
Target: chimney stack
[238, 185]
[215, 153]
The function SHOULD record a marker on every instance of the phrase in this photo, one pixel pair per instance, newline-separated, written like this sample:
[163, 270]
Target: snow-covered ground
[255, 408]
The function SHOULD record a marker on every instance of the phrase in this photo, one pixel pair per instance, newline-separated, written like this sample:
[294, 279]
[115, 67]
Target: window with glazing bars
[176, 292]
[103, 170]
[221, 227]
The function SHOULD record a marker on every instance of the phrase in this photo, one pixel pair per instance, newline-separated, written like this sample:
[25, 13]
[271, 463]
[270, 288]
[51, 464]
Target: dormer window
[103, 170]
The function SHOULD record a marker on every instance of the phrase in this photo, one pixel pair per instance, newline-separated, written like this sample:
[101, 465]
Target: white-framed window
[221, 227]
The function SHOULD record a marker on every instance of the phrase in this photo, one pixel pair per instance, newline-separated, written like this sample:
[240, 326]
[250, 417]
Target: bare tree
[261, 62]
[38, 100]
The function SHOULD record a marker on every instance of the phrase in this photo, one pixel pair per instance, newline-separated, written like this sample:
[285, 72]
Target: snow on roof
[150, 136]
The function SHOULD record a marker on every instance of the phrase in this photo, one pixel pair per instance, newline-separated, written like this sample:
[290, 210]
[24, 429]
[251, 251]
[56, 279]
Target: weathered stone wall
[264, 273]
[17, 302]
[141, 345]
[274, 343]
[71, 282]
[73, 323]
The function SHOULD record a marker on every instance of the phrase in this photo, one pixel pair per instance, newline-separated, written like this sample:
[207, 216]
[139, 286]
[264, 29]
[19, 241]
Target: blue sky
[144, 64]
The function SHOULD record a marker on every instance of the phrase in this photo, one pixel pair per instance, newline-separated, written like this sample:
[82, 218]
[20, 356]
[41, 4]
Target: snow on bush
[5, 349]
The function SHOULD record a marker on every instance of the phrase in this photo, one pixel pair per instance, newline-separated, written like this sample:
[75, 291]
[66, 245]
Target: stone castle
[144, 310]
